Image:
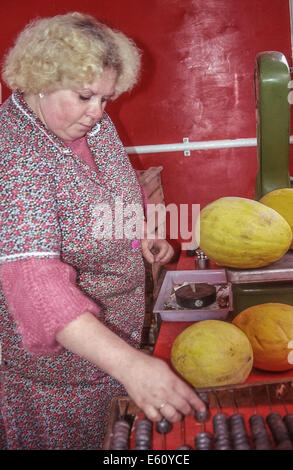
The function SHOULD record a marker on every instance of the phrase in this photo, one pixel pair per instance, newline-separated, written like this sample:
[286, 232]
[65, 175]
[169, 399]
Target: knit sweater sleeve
[43, 297]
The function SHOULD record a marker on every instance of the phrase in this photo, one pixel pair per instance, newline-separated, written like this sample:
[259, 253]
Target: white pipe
[205, 145]
[181, 147]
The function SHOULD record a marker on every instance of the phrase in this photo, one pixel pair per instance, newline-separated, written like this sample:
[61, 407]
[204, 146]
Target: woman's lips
[87, 126]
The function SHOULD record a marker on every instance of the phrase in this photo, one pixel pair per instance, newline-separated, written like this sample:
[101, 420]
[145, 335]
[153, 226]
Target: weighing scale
[273, 283]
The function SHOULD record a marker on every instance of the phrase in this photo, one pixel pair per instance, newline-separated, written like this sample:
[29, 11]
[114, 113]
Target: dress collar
[21, 104]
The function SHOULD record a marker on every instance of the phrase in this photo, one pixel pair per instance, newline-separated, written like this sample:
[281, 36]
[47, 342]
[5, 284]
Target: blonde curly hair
[66, 50]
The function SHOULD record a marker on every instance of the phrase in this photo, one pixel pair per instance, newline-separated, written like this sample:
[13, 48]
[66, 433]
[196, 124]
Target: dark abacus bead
[236, 419]
[242, 446]
[237, 422]
[144, 423]
[262, 445]
[118, 447]
[223, 439]
[278, 428]
[262, 442]
[204, 397]
[202, 416]
[288, 420]
[120, 440]
[184, 448]
[121, 424]
[257, 424]
[143, 434]
[285, 445]
[143, 438]
[221, 432]
[238, 432]
[222, 446]
[259, 433]
[118, 444]
[220, 418]
[164, 426]
[143, 445]
[203, 441]
[223, 442]
[122, 431]
[239, 435]
[220, 425]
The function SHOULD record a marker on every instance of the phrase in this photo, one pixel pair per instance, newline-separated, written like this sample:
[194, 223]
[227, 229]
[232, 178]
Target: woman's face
[71, 113]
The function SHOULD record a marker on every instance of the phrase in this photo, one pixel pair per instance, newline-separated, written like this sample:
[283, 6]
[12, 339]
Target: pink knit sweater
[42, 294]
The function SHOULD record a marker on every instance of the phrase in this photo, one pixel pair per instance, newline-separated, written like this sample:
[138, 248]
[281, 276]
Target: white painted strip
[28, 254]
[204, 145]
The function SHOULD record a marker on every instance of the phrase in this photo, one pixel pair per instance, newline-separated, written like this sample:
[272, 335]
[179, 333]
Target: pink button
[135, 244]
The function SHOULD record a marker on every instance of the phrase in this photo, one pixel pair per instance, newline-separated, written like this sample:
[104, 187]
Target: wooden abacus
[246, 416]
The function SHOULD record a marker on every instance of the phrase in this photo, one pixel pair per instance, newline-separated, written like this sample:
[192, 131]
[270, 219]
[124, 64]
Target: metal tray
[281, 270]
[214, 277]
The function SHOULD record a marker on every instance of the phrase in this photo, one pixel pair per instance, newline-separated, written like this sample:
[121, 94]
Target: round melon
[281, 200]
[212, 353]
[242, 233]
[269, 328]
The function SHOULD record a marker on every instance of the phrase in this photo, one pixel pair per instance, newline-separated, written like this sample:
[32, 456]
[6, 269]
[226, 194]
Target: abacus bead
[184, 448]
[278, 428]
[204, 397]
[202, 416]
[288, 420]
[164, 426]
[203, 441]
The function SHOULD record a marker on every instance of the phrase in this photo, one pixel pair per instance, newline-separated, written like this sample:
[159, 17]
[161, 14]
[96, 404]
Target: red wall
[197, 81]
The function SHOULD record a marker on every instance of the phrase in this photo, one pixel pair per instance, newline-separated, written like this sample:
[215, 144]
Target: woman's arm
[148, 380]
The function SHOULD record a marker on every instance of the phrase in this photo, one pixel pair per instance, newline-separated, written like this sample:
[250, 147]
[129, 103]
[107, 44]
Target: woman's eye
[84, 98]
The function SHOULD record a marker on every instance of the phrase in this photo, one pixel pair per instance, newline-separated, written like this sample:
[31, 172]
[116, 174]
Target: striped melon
[282, 201]
[242, 233]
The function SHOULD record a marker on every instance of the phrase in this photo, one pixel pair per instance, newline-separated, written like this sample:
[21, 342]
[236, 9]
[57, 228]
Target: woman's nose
[96, 109]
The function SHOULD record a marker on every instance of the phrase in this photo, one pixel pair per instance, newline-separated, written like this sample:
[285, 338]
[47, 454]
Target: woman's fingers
[146, 246]
[170, 413]
[160, 393]
[151, 412]
[164, 250]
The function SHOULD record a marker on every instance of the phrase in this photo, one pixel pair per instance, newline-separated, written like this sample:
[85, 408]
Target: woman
[72, 301]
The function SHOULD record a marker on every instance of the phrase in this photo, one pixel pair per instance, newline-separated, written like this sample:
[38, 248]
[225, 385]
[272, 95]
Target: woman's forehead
[103, 83]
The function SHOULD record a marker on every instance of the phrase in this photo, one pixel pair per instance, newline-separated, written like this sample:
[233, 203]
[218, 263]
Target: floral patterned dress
[49, 199]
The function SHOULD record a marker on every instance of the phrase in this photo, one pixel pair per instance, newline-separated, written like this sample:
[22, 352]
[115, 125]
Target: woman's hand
[158, 391]
[149, 381]
[157, 250]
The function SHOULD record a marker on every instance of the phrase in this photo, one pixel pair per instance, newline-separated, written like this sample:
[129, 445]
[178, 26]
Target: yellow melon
[281, 200]
[242, 233]
[212, 353]
[269, 328]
